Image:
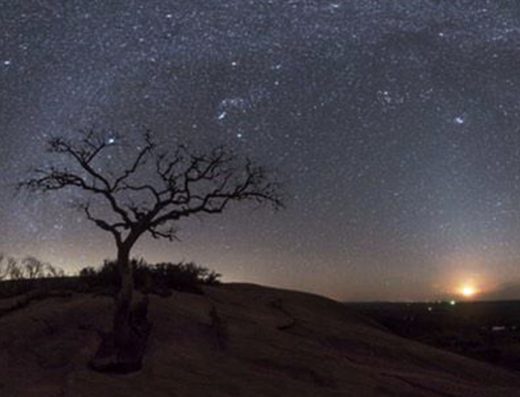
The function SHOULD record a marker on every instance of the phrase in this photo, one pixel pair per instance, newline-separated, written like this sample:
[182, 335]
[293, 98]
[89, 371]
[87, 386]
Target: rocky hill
[234, 340]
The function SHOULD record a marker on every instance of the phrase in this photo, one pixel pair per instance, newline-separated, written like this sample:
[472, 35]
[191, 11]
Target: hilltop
[232, 340]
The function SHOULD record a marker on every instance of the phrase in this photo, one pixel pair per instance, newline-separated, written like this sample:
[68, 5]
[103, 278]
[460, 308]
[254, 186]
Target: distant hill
[505, 292]
[234, 340]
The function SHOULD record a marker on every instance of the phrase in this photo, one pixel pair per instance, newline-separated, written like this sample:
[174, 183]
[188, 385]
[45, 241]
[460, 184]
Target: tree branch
[178, 184]
[112, 228]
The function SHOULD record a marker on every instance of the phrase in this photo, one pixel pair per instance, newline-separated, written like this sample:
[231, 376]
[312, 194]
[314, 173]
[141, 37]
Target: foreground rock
[236, 340]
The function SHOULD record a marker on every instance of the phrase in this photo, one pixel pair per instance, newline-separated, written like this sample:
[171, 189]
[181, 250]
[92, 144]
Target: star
[222, 115]
[459, 120]
[395, 117]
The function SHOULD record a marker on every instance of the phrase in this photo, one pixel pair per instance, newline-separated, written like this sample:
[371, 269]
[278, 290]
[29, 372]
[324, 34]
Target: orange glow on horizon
[468, 291]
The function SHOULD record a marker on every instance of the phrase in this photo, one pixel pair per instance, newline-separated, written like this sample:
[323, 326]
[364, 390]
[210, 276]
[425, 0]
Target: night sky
[395, 126]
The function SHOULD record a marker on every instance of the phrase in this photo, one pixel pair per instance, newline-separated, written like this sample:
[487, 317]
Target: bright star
[459, 120]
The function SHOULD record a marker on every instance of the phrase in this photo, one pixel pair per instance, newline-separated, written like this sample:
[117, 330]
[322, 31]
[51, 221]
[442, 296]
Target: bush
[20, 277]
[179, 276]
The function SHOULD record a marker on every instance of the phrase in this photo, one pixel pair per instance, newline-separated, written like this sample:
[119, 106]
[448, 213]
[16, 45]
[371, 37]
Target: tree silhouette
[9, 269]
[30, 268]
[5, 267]
[157, 188]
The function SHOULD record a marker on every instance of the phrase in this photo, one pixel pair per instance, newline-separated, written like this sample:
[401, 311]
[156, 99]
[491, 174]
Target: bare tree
[29, 268]
[9, 268]
[14, 271]
[4, 267]
[33, 267]
[157, 188]
[53, 271]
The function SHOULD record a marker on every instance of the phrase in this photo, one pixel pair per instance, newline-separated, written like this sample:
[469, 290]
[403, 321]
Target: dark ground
[230, 340]
[487, 331]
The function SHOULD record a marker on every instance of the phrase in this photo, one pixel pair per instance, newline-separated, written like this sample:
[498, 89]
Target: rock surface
[235, 340]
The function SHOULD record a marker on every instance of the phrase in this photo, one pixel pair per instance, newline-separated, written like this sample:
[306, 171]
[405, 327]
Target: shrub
[179, 276]
[87, 272]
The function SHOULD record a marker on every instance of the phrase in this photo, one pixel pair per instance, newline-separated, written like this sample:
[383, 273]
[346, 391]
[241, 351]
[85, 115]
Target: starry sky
[394, 125]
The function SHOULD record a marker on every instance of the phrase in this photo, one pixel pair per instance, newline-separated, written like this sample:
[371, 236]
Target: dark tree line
[28, 268]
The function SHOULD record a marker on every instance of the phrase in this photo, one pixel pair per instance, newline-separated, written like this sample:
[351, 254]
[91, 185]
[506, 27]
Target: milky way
[394, 125]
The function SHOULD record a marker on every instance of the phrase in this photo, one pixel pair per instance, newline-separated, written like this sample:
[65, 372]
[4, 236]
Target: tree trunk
[121, 325]
[122, 350]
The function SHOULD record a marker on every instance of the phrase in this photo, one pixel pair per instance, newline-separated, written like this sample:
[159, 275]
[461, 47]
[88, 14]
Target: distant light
[7, 62]
[239, 135]
[222, 115]
[234, 63]
[452, 303]
[498, 328]
[111, 141]
[468, 291]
